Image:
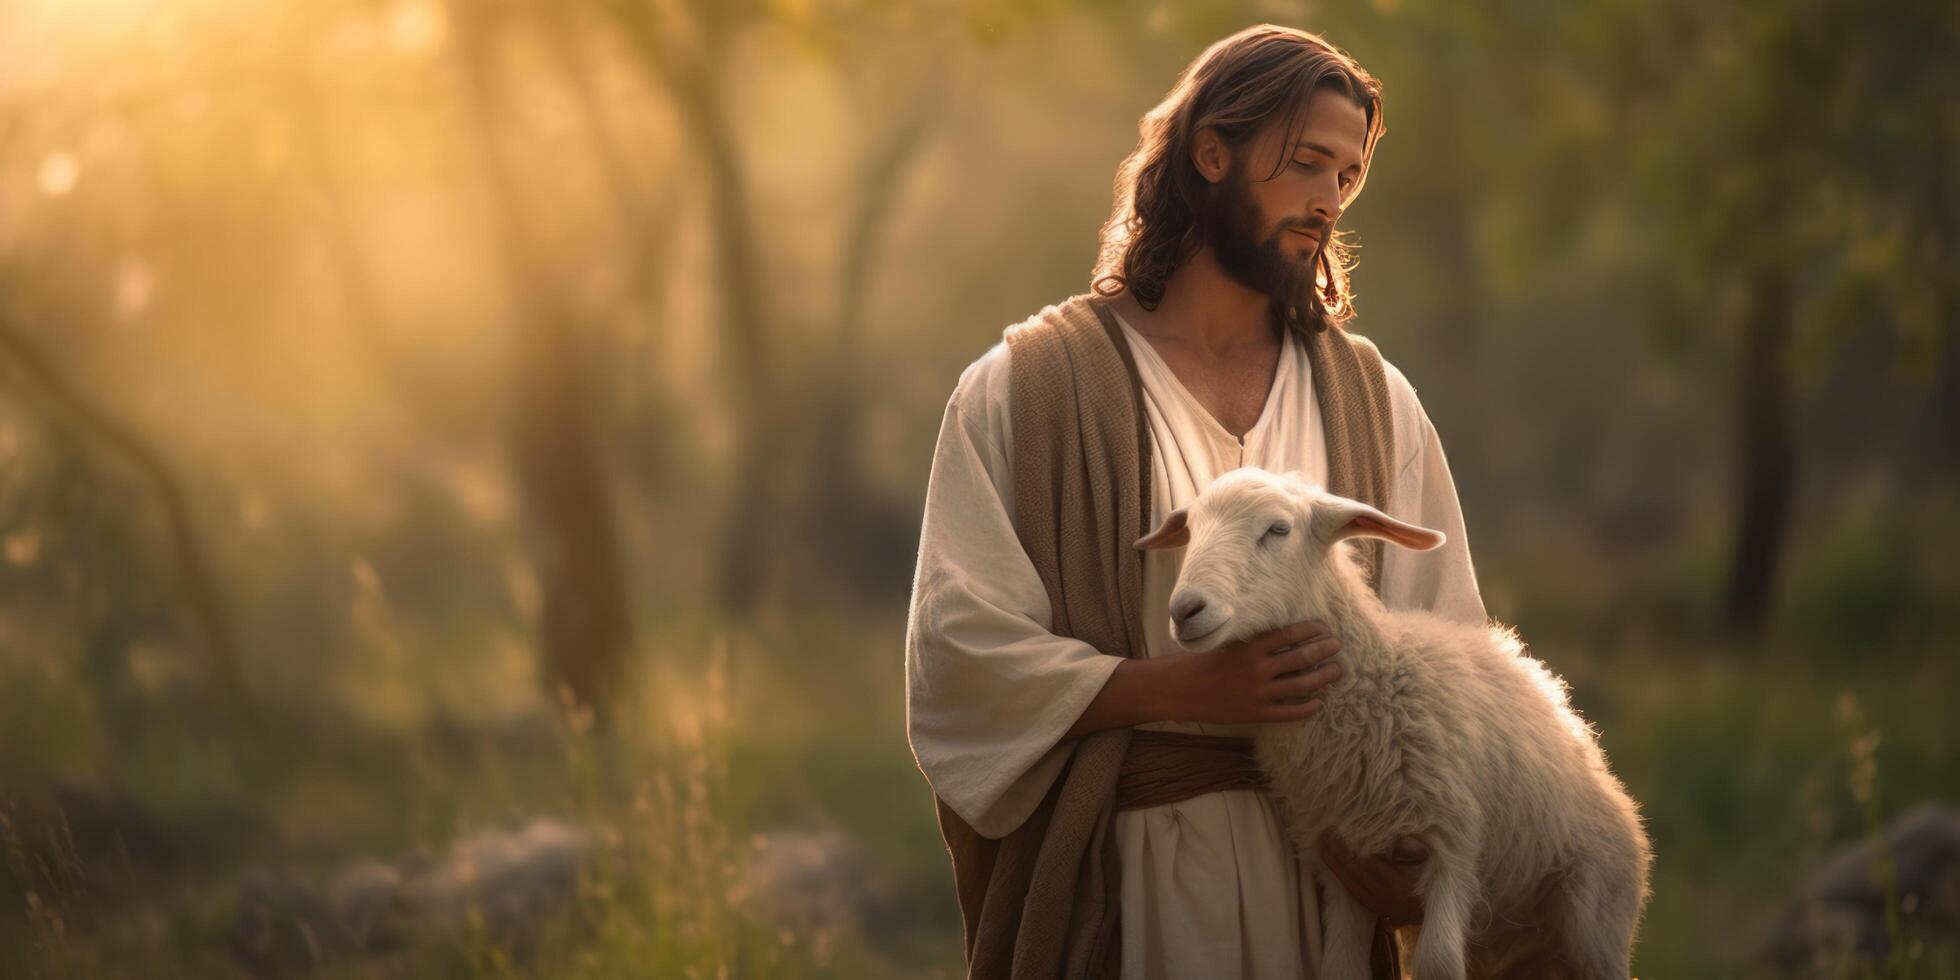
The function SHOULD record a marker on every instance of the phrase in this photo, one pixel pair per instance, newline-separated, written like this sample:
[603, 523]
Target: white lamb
[1439, 730]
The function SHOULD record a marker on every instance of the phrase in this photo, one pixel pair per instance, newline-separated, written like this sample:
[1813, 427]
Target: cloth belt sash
[1171, 767]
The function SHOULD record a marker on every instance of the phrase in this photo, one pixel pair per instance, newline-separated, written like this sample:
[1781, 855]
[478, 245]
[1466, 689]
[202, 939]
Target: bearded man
[1095, 784]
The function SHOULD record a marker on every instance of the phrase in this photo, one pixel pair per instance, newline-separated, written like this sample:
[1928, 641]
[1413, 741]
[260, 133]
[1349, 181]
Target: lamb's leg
[1447, 896]
[1350, 928]
[1602, 908]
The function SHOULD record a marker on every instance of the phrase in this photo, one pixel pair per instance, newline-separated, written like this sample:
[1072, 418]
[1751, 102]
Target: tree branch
[206, 607]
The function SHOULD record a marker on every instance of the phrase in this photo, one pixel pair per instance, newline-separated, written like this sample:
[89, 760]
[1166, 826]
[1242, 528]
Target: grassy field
[1749, 763]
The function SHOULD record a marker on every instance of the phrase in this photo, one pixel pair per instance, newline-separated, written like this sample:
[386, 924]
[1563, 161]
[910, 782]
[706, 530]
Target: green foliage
[1859, 593]
[1813, 137]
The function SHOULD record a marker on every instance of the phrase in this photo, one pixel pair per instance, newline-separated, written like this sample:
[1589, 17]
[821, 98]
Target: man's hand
[1272, 677]
[1384, 886]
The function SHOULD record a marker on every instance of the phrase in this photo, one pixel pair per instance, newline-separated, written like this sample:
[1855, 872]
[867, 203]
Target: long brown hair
[1236, 87]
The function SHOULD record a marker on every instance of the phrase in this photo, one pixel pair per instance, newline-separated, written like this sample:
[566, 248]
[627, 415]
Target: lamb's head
[1263, 550]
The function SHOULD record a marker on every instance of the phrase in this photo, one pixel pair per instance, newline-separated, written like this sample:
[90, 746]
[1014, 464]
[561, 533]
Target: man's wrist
[1137, 692]
[1164, 685]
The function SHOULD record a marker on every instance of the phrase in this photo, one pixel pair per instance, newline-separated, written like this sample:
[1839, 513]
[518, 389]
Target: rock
[1839, 911]
[515, 878]
[806, 881]
[85, 825]
[366, 903]
[279, 924]
[821, 885]
[104, 836]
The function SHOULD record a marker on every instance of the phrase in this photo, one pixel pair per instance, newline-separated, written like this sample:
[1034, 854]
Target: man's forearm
[1135, 694]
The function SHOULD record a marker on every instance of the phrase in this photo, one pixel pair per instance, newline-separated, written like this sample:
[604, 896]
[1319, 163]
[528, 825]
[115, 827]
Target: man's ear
[1173, 533]
[1210, 154]
[1338, 518]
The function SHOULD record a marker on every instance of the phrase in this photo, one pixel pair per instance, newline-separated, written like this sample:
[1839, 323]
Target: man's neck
[1208, 310]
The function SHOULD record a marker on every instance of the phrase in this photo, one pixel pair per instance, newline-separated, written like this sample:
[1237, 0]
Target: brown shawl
[1042, 901]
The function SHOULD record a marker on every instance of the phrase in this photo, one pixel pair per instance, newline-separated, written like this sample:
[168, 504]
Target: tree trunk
[879, 188]
[842, 517]
[647, 415]
[1765, 454]
[749, 538]
[567, 503]
[691, 75]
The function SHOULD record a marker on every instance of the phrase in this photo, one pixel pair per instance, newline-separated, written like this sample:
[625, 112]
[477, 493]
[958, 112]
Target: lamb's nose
[1186, 606]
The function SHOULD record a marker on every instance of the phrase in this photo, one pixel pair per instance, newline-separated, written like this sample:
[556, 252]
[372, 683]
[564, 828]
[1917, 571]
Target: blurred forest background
[461, 460]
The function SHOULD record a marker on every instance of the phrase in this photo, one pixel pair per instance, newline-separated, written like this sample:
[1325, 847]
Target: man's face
[1267, 232]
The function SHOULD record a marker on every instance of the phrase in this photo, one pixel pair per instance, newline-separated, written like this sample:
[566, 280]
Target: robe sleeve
[1442, 581]
[989, 690]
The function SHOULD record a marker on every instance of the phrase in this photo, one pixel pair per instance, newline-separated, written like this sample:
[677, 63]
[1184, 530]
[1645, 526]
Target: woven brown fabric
[1171, 767]
[1042, 901]
[1351, 386]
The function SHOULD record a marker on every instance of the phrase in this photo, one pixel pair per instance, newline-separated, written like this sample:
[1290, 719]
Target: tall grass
[671, 889]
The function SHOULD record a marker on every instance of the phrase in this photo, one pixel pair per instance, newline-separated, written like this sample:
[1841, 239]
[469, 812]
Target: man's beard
[1229, 220]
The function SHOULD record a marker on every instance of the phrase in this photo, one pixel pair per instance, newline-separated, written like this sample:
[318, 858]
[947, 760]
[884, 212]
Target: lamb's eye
[1279, 530]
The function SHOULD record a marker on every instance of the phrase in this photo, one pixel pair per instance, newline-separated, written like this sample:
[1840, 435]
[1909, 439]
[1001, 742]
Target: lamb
[1442, 731]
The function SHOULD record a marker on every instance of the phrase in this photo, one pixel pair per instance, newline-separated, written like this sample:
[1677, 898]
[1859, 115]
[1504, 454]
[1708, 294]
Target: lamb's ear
[1341, 518]
[1173, 533]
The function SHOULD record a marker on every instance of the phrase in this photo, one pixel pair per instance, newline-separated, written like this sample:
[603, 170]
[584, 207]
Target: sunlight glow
[416, 26]
[23, 547]
[58, 174]
[134, 287]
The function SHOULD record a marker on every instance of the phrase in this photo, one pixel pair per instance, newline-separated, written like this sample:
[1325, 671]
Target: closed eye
[1309, 166]
[1279, 530]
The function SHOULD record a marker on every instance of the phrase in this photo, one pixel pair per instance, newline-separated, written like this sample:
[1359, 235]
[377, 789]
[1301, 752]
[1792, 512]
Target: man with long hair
[1094, 781]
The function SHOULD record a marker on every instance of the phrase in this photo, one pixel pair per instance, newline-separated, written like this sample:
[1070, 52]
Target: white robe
[1209, 885]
